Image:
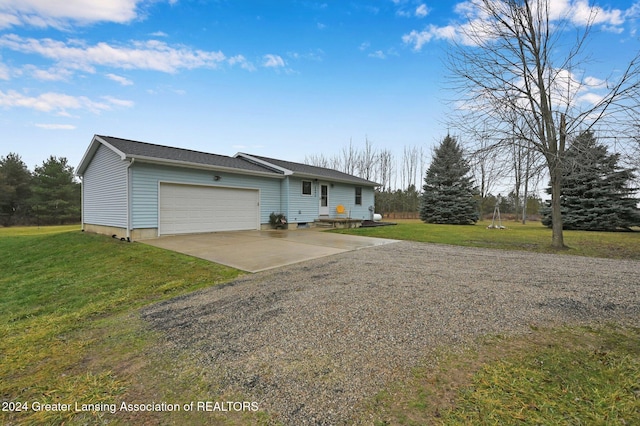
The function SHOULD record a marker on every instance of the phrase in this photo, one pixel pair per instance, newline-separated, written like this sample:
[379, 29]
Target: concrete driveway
[255, 251]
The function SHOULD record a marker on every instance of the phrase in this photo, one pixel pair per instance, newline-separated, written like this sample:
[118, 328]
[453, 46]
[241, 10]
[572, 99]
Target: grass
[570, 375]
[530, 237]
[70, 332]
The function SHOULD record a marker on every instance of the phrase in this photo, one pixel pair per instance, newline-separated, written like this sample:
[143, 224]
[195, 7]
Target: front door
[324, 200]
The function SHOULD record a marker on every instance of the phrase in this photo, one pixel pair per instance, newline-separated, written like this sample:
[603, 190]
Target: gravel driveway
[311, 341]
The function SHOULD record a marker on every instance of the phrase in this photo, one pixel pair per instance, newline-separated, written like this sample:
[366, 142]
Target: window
[306, 187]
[358, 196]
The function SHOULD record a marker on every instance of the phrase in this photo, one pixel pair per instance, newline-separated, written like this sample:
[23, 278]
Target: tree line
[48, 195]
[401, 177]
[597, 193]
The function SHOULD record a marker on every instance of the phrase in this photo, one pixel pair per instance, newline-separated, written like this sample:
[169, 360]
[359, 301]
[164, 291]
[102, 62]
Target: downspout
[81, 202]
[287, 198]
[129, 198]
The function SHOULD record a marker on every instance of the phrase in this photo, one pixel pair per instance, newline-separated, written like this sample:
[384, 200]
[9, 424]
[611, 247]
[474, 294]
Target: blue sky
[285, 79]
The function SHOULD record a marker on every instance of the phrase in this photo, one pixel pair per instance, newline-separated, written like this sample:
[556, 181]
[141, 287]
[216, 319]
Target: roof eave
[263, 163]
[363, 182]
[91, 150]
[201, 166]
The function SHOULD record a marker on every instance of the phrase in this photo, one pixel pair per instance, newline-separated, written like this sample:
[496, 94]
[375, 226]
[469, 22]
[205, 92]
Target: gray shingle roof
[137, 149]
[242, 162]
[319, 172]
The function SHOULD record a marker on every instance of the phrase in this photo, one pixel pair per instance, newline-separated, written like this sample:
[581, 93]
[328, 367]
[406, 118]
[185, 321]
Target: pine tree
[596, 195]
[56, 194]
[15, 179]
[449, 195]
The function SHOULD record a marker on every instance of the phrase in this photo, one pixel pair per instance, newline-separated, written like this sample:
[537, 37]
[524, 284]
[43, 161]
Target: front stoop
[337, 223]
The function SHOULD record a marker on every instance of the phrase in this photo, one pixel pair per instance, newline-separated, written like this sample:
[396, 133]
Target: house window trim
[358, 198]
[310, 194]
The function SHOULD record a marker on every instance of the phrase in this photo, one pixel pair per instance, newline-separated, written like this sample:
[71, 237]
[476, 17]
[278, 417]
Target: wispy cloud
[422, 11]
[273, 61]
[408, 9]
[420, 38]
[120, 79]
[316, 55]
[56, 126]
[379, 54]
[118, 102]
[62, 13]
[4, 72]
[58, 103]
[242, 62]
[146, 55]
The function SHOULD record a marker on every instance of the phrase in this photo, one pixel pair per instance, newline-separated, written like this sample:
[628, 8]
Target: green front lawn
[66, 330]
[530, 237]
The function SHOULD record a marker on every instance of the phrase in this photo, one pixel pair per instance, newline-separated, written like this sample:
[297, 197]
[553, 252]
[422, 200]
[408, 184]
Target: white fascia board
[286, 172]
[91, 150]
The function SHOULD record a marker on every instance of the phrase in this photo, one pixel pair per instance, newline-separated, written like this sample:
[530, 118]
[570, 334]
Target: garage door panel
[191, 209]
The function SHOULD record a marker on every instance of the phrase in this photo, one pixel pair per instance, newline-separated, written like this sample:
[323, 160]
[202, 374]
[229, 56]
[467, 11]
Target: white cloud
[56, 126]
[50, 102]
[273, 61]
[590, 98]
[581, 13]
[420, 38]
[4, 72]
[120, 79]
[59, 13]
[50, 74]
[159, 34]
[150, 55]
[595, 83]
[379, 54]
[474, 21]
[242, 61]
[422, 11]
[118, 102]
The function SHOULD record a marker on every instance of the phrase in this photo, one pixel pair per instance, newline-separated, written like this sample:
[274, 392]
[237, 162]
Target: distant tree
[56, 194]
[449, 195]
[596, 194]
[15, 179]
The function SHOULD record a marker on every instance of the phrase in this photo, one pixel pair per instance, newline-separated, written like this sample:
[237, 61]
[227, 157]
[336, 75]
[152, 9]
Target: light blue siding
[302, 208]
[104, 190]
[345, 195]
[305, 208]
[145, 184]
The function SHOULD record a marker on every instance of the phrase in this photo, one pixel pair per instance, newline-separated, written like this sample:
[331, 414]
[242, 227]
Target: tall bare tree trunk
[555, 170]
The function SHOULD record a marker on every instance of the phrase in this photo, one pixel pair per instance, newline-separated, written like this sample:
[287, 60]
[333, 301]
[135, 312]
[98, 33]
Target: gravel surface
[311, 341]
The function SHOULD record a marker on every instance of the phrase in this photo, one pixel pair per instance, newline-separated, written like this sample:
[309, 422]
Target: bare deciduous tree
[386, 169]
[520, 58]
[367, 159]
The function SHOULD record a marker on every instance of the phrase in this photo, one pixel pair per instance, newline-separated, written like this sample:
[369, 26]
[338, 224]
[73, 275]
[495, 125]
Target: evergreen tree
[595, 194]
[15, 179]
[449, 195]
[56, 194]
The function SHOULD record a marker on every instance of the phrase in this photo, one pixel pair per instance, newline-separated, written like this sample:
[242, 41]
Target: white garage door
[189, 209]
